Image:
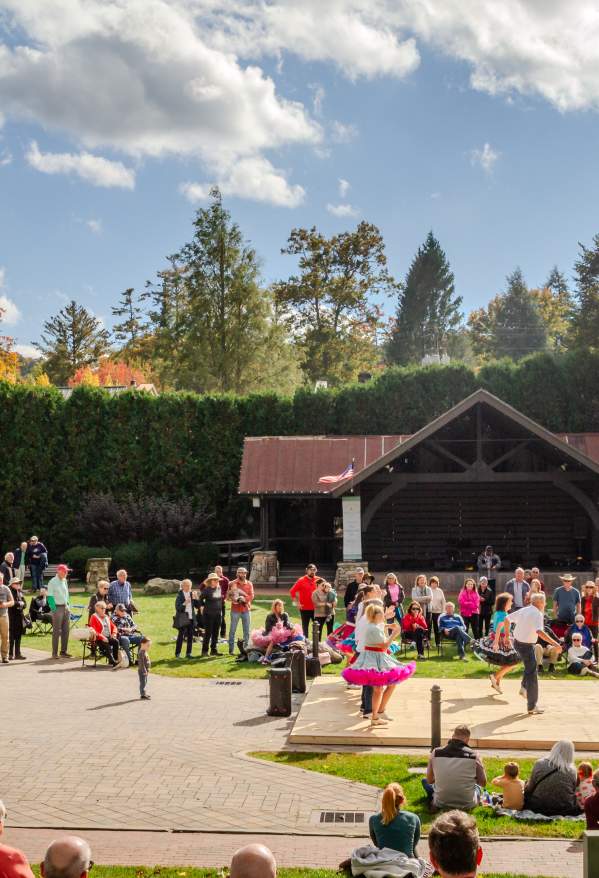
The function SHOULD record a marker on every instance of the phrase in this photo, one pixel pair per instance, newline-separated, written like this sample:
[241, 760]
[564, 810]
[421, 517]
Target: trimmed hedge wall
[55, 451]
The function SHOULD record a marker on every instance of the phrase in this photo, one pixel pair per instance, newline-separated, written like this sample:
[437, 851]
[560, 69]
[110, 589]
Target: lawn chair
[75, 616]
[40, 626]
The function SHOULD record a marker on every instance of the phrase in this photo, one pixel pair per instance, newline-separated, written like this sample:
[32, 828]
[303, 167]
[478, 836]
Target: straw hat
[568, 578]
[212, 576]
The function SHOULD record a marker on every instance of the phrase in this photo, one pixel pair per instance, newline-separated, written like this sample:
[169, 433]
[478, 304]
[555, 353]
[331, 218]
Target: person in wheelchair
[39, 608]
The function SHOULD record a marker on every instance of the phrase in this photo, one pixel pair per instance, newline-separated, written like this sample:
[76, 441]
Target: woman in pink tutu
[375, 667]
[278, 630]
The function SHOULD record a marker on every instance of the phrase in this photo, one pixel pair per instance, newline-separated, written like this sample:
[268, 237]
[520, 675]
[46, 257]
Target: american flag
[331, 480]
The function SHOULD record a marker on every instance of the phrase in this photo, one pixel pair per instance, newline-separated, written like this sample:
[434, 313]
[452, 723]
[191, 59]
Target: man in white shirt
[528, 627]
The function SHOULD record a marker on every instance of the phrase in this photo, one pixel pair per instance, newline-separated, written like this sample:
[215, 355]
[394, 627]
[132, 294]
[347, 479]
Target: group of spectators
[30, 554]
[110, 616]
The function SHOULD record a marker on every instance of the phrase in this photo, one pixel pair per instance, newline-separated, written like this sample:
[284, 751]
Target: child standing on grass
[512, 785]
[584, 784]
[143, 666]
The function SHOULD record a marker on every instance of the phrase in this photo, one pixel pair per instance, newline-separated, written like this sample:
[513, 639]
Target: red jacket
[96, 623]
[303, 588]
[13, 863]
[410, 622]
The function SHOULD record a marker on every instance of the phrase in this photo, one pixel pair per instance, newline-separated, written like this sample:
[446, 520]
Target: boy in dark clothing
[143, 667]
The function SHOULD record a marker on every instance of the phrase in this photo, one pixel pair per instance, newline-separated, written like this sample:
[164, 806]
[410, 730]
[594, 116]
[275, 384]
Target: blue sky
[430, 128]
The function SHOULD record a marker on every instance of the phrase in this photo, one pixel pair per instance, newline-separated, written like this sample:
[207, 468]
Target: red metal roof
[293, 464]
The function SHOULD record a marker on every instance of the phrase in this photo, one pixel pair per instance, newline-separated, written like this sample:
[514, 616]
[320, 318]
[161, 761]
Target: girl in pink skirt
[375, 667]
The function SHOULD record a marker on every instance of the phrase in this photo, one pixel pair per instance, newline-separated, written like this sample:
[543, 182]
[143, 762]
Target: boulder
[162, 586]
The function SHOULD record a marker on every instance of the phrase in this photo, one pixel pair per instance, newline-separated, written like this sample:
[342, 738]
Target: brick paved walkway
[560, 859]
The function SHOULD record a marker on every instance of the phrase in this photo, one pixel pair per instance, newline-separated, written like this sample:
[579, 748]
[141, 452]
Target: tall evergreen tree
[428, 310]
[71, 339]
[585, 328]
[556, 308]
[129, 331]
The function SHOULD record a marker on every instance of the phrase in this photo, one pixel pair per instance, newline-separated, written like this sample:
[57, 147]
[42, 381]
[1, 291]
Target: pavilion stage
[330, 715]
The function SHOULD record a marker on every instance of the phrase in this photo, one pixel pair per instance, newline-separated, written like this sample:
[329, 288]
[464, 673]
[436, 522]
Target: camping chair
[75, 616]
[40, 626]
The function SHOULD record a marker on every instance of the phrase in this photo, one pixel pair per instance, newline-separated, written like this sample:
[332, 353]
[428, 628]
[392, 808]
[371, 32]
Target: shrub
[77, 556]
[137, 558]
[174, 563]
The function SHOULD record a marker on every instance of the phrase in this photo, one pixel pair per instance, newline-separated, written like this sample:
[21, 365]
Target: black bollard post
[313, 668]
[279, 686]
[435, 716]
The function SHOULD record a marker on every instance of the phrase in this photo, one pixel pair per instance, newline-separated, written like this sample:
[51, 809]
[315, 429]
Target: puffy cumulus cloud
[485, 158]
[92, 168]
[9, 312]
[342, 210]
[253, 178]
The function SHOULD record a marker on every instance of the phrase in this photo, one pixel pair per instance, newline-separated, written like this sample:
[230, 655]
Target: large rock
[162, 586]
[96, 569]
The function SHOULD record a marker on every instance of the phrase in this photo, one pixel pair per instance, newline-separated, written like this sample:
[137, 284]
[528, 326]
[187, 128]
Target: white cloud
[253, 178]
[342, 133]
[5, 158]
[92, 168]
[2, 276]
[27, 350]
[485, 158]
[318, 99]
[344, 187]
[342, 210]
[10, 312]
[95, 226]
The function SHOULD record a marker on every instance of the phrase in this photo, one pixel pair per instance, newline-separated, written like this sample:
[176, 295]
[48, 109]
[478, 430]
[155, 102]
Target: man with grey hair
[253, 861]
[518, 587]
[13, 863]
[529, 627]
[67, 857]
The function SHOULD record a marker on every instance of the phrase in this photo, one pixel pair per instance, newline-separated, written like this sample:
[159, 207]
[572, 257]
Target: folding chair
[75, 617]
[40, 626]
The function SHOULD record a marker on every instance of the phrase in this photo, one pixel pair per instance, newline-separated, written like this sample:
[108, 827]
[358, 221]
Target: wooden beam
[480, 474]
[495, 463]
[444, 452]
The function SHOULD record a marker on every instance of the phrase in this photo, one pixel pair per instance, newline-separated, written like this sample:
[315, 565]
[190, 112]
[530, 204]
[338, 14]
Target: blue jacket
[587, 637]
[449, 622]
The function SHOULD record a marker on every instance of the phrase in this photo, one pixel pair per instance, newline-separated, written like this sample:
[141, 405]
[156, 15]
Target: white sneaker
[523, 692]
[495, 684]
[536, 710]
[384, 715]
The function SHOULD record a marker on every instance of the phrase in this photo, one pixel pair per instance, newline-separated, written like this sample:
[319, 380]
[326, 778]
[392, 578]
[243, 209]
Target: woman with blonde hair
[394, 828]
[278, 630]
[393, 595]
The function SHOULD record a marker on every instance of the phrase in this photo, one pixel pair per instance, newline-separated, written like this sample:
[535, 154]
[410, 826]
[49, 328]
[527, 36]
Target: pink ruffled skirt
[377, 669]
[278, 635]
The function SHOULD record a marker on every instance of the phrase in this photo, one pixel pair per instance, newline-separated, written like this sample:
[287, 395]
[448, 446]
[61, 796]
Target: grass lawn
[155, 620]
[381, 770]
[189, 872]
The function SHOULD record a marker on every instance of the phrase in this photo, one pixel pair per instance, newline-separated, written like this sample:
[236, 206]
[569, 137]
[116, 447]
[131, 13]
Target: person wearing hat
[37, 558]
[16, 619]
[58, 598]
[566, 600]
[211, 601]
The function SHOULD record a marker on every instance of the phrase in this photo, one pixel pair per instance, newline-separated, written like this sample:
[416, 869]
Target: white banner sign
[352, 528]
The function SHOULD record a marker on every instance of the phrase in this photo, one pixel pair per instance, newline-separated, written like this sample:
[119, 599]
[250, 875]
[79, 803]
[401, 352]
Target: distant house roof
[116, 389]
[294, 464]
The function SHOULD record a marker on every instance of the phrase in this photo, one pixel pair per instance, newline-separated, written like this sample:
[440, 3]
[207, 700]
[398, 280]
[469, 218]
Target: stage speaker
[296, 660]
[279, 685]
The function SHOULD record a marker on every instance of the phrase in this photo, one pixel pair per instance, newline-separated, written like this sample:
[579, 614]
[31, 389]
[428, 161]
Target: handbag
[181, 620]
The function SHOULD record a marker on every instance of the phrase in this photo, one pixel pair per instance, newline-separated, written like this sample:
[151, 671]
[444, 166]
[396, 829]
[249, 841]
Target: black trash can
[279, 684]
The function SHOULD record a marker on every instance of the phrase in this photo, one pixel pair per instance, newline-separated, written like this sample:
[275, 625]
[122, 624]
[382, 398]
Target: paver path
[560, 859]
[177, 759]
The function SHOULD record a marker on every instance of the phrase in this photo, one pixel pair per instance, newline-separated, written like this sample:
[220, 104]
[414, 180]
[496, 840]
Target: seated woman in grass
[551, 788]
[394, 828]
[278, 630]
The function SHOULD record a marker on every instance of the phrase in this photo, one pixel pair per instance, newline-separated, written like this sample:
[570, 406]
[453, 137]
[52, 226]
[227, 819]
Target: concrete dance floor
[330, 715]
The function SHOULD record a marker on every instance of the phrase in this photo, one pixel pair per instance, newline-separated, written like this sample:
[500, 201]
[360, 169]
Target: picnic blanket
[373, 862]
[531, 815]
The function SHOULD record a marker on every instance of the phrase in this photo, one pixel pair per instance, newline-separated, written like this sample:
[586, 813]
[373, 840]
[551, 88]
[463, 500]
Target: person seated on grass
[512, 786]
[13, 862]
[454, 845]
[394, 828]
[39, 608]
[591, 805]
[414, 628]
[455, 774]
[67, 857]
[580, 659]
[100, 595]
[253, 861]
[451, 625]
[278, 630]
[579, 627]
[584, 783]
[127, 631]
[551, 787]
[545, 650]
[106, 639]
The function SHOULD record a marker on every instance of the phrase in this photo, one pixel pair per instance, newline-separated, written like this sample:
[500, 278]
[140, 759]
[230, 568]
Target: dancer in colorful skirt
[497, 648]
[278, 631]
[375, 667]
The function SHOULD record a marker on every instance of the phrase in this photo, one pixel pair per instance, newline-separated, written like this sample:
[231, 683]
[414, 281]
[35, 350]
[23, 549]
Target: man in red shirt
[241, 595]
[13, 863]
[591, 805]
[301, 592]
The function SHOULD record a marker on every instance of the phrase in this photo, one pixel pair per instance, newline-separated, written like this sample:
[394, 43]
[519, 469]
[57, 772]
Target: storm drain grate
[227, 682]
[352, 817]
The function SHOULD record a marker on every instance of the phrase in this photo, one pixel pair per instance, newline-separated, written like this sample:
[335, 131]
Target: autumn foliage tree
[108, 373]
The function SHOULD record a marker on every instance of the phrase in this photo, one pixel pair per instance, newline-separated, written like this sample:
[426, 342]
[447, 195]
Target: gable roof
[479, 396]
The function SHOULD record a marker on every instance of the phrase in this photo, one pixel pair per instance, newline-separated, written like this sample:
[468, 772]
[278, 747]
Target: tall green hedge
[55, 451]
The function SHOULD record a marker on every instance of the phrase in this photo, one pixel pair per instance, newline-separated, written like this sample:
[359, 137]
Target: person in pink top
[469, 601]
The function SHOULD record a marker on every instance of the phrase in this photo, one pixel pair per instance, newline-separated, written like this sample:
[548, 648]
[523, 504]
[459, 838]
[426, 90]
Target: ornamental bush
[168, 466]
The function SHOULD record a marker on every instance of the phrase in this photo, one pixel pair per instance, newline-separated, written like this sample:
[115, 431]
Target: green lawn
[190, 872]
[381, 770]
[155, 620]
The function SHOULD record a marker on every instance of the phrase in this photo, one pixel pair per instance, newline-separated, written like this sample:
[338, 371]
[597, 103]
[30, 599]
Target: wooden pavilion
[481, 473]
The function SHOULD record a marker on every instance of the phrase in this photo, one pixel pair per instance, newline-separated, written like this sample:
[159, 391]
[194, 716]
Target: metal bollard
[435, 716]
[279, 689]
[313, 668]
